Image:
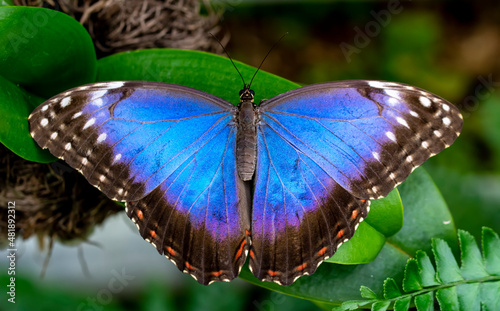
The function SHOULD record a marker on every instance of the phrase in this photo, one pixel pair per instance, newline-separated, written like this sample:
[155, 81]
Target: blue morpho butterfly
[207, 183]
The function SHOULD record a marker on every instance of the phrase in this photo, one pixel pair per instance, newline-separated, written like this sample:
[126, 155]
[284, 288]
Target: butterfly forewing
[367, 135]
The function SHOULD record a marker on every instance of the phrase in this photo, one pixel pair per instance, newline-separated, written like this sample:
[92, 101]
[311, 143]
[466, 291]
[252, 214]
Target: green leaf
[391, 289]
[15, 107]
[472, 262]
[388, 219]
[446, 265]
[453, 292]
[489, 295]
[426, 269]
[367, 293]
[426, 215]
[468, 297]
[44, 51]
[425, 302]
[402, 304]
[203, 71]
[412, 280]
[351, 305]
[447, 298]
[491, 249]
[381, 306]
[356, 250]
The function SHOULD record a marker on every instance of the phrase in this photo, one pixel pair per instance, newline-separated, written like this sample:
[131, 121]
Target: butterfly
[208, 183]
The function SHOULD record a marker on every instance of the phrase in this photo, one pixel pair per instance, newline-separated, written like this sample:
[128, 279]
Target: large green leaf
[334, 283]
[44, 51]
[203, 71]
[15, 107]
[428, 216]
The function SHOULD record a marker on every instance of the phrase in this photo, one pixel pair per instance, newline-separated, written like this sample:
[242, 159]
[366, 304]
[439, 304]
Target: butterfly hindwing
[300, 214]
[194, 216]
[168, 151]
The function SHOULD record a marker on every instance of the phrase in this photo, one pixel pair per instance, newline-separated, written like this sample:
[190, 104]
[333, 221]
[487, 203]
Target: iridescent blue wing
[168, 151]
[324, 150]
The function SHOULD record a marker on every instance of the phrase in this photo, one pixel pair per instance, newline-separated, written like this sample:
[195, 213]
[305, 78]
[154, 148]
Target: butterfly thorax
[246, 136]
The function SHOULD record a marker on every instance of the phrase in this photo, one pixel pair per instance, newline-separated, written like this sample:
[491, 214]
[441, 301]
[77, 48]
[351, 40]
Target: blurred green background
[450, 48]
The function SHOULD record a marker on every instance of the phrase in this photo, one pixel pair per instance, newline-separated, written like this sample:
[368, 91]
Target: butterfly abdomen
[246, 141]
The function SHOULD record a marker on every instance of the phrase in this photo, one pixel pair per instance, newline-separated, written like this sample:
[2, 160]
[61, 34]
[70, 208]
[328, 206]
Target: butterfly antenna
[229, 56]
[274, 45]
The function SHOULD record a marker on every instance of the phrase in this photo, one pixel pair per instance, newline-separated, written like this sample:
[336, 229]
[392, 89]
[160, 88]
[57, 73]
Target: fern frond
[474, 285]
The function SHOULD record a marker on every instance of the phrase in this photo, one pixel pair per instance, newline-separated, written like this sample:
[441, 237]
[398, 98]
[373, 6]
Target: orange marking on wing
[363, 201]
[354, 214]
[252, 255]
[340, 234]
[272, 273]
[140, 215]
[322, 251]
[153, 234]
[217, 274]
[188, 266]
[248, 232]
[171, 251]
[301, 267]
[240, 250]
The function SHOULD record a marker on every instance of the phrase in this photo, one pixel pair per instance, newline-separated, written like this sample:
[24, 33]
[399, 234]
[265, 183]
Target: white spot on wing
[446, 107]
[391, 136]
[102, 178]
[44, 108]
[53, 136]
[97, 94]
[437, 133]
[376, 84]
[44, 122]
[101, 138]
[446, 121]
[67, 146]
[98, 102]
[76, 115]
[114, 84]
[425, 101]
[376, 155]
[413, 113]
[89, 123]
[425, 144]
[117, 157]
[393, 101]
[392, 93]
[409, 158]
[65, 101]
[402, 122]
[84, 161]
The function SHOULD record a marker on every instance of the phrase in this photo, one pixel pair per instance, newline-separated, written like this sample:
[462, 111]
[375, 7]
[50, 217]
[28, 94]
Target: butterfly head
[247, 94]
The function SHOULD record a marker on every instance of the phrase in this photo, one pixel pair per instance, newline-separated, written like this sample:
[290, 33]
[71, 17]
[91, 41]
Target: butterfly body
[246, 136]
[284, 183]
